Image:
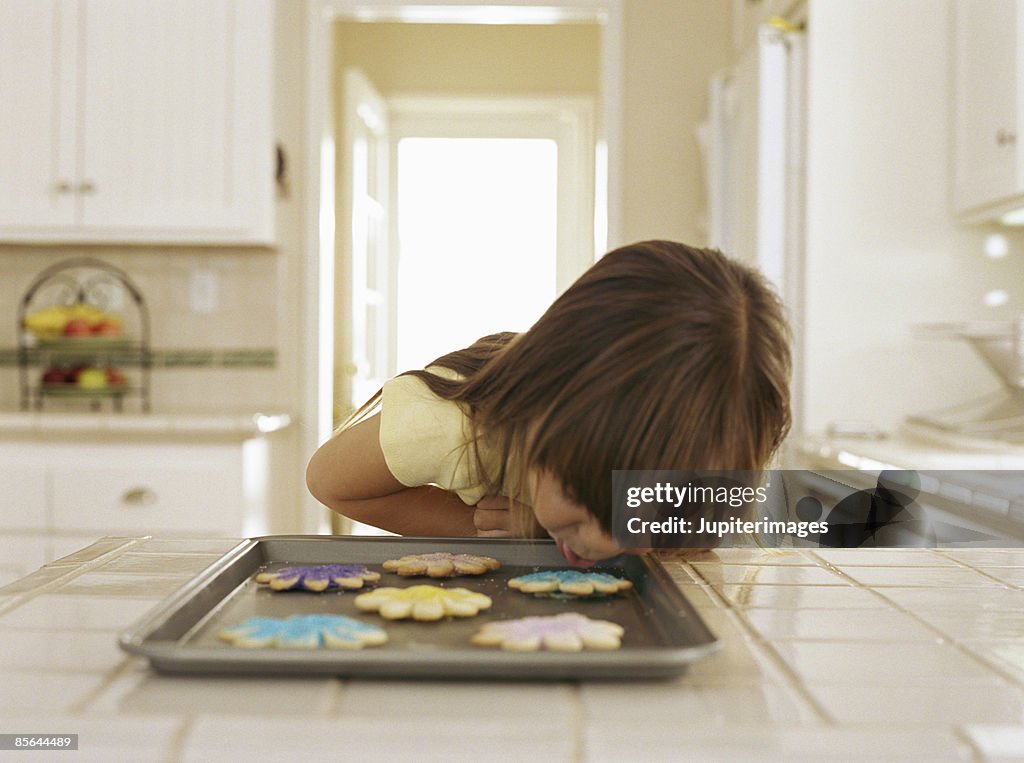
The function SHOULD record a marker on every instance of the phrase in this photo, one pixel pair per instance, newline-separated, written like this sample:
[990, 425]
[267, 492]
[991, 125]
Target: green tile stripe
[177, 358]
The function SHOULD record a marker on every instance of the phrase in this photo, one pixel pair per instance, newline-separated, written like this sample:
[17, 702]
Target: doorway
[602, 18]
[460, 169]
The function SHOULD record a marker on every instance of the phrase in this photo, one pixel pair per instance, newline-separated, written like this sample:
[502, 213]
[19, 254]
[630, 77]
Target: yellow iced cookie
[422, 602]
[442, 564]
[567, 632]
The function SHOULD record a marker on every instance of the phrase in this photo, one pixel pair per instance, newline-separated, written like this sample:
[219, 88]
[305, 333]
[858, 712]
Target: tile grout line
[944, 637]
[969, 566]
[791, 675]
[578, 721]
[332, 705]
[59, 581]
[79, 707]
[176, 748]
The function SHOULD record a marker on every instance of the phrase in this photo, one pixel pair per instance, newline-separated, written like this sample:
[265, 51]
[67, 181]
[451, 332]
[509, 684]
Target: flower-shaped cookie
[567, 632]
[422, 602]
[303, 632]
[442, 564]
[318, 577]
[570, 582]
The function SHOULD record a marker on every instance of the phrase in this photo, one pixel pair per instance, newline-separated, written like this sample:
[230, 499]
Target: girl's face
[579, 535]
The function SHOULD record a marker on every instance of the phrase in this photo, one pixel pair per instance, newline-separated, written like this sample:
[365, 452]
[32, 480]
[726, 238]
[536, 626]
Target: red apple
[115, 377]
[55, 375]
[107, 328]
[73, 374]
[77, 327]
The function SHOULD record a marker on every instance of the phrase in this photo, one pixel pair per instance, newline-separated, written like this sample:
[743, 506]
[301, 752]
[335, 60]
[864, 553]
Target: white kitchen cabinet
[988, 174]
[111, 488]
[136, 122]
[90, 487]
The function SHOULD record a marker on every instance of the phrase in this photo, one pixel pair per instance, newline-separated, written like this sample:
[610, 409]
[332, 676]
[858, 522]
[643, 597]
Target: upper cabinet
[988, 170]
[129, 121]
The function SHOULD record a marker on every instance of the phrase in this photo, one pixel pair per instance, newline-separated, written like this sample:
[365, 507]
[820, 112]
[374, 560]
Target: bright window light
[477, 240]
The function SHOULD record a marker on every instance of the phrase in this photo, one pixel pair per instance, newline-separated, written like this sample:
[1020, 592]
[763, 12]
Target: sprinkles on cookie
[303, 632]
[318, 577]
[442, 564]
[571, 582]
[567, 632]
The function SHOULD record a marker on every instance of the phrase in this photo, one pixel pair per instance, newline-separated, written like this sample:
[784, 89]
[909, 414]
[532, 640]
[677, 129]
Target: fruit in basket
[115, 378]
[109, 326]
[77, 321]
[77, 327]
[55, 375]
[92, 378]
[48, 322]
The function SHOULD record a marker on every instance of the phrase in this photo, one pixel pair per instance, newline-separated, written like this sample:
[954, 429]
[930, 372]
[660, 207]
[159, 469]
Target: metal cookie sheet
[663, 632]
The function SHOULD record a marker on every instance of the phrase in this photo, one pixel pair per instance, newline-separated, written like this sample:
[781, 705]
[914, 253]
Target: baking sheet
[663, 632]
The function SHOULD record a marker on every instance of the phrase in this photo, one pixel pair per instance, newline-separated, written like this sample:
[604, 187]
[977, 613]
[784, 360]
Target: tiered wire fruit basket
[84, 338]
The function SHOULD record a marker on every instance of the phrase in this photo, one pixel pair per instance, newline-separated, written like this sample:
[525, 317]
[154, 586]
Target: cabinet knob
[62, 186]
[138, 496]
[86, 186]
[1005, 137]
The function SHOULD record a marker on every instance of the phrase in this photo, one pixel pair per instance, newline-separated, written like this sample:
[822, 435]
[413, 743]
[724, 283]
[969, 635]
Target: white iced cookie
[442, 564]
[567, 632]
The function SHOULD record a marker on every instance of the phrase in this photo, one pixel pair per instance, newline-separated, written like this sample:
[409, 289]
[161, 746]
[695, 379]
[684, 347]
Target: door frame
[318, 224]
[568, 120]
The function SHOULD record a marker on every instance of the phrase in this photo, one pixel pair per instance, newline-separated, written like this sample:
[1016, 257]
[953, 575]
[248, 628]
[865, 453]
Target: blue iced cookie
[572, 582]
[318, 577]
[303, 632]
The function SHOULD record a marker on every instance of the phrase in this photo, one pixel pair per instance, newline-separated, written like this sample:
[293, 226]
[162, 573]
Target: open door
[364, 275]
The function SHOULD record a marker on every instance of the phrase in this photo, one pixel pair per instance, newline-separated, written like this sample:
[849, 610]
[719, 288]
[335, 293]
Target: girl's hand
[492, 517]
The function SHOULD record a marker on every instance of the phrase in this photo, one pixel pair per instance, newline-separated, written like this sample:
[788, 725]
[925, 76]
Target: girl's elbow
[323, 482]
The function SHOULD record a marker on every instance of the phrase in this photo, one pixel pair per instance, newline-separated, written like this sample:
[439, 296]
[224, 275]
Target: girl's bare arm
[349, 475]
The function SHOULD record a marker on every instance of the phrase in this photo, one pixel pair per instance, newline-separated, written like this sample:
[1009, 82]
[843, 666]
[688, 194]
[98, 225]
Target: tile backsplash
[243, 314]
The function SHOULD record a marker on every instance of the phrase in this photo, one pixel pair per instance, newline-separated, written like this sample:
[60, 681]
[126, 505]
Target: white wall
[671, 49]
[883, 250]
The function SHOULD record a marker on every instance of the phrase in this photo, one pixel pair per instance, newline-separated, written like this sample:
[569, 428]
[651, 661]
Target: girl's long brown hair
[660, 356]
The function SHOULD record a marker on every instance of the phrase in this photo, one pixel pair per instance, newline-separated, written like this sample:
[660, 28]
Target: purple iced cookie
[318, 577]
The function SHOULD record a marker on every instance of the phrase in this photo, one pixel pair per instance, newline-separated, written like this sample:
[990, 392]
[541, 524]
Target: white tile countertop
[861, 654]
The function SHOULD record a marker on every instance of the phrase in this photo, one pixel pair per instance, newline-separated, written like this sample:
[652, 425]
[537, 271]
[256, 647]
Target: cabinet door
[37, 80]
[987, 75]
[24, 488]
[176, 139]
[149, 488]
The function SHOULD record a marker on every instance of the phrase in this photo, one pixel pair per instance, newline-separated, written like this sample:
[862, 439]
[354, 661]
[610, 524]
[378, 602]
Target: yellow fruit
[48, 322]
[87, 312]
[92, 378]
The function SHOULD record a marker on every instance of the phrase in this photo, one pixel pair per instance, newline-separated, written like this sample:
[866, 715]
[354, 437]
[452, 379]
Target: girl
[660, 356]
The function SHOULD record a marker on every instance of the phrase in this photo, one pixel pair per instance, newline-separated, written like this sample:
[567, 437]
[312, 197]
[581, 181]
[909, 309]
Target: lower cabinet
[58, 497]
[156, 489]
